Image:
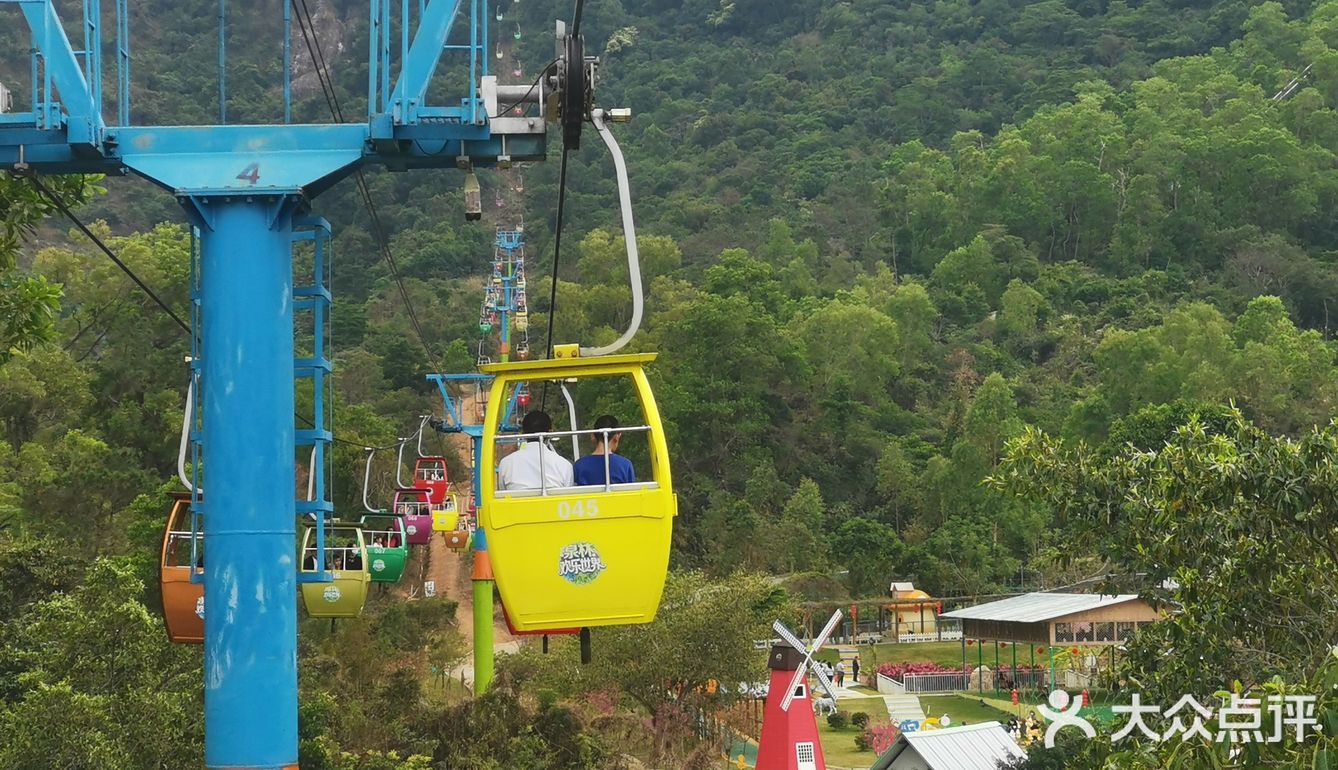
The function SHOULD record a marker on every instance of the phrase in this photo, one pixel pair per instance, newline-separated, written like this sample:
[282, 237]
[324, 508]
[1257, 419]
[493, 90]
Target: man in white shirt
[521, 468]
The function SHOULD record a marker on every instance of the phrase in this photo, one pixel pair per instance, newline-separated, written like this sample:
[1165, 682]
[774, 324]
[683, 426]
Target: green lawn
[962, 709]
[826, 654]
[942, 653]
[838, 746]
[1098, 712]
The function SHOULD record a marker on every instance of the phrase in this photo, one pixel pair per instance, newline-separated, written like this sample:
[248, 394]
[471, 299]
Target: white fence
[950, 682]
[946, 636]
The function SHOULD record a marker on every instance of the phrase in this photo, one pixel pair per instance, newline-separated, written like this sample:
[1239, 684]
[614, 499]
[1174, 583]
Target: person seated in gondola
[379, 540]
[536, 464]
[354, 559]
[589, 470]
[309, 563]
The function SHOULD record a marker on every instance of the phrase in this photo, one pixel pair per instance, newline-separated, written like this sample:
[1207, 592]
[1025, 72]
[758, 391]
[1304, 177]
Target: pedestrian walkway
[846, 692]
[847, 654]
[903, 707]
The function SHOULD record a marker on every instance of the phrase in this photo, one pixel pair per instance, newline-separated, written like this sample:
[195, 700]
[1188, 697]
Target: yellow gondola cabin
[345, 557]
[572, 556]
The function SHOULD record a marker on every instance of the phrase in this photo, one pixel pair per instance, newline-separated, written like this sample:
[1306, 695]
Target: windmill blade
[785, 634]
[794, 683]
[827, 631]
[825, 682]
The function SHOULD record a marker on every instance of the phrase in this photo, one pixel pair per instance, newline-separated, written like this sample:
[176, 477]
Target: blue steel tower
[242, 186]
[505, 308]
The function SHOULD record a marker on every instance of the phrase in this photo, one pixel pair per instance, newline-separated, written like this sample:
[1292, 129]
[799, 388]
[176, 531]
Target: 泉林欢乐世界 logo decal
[580, 563]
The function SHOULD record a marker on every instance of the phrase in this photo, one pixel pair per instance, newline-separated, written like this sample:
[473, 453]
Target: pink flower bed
[900, 670]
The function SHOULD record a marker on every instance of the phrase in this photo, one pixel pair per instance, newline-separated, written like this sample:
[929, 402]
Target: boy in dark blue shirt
[589, 470]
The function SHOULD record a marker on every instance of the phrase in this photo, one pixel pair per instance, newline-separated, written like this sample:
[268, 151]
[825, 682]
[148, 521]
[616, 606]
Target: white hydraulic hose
[426, 417]
[311, 475]
[367, 480]
[399, 462]
[571, 414]
[185, 439]
[597, 117]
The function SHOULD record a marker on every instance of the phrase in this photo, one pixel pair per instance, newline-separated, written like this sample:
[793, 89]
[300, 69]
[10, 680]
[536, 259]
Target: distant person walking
[840, 673]
[854, 669]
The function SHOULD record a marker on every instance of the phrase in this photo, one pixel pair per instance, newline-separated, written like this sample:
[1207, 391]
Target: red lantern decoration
[970, 642]
[1040, 650]
[1003, 644]
[1015, 698]
[1086, 698]
[1073, 650]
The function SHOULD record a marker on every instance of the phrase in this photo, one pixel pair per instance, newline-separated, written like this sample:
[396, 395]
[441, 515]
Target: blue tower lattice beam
[244, 187]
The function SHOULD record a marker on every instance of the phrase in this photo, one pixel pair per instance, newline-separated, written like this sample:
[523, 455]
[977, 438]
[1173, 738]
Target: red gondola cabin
[430, 473]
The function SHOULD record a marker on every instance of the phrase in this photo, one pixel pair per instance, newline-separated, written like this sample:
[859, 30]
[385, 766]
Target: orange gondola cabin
[182, 555]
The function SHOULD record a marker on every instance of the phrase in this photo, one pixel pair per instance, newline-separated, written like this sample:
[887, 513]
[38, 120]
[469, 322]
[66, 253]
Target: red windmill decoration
[789, 730]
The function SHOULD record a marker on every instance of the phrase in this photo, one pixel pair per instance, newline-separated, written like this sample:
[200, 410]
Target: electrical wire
[542, 74]
[576, 18]
[313, 44]
[64, 209]
[56, 201]
[577, 12]
[557, 248]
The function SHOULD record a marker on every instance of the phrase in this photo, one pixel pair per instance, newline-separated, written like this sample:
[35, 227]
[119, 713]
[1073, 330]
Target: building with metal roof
[969, 747]
[1053, 618]
[1041, 624]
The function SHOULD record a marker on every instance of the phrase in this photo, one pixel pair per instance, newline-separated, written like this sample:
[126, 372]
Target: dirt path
[451, 570]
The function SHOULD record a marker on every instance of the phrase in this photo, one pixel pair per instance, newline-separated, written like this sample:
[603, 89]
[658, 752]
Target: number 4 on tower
[251, 173]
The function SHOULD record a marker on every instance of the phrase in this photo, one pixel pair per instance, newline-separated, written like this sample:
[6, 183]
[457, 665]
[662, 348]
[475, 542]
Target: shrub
[838, 721]
[859, 719]
[547, 698]
[862, 741]
[877, 737]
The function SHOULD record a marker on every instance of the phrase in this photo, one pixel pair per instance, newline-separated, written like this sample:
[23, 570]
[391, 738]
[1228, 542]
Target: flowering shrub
[877, 737]
[899, 670]
[604, 701]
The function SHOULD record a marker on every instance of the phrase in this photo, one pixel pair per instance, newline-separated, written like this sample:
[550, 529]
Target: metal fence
[920, 683]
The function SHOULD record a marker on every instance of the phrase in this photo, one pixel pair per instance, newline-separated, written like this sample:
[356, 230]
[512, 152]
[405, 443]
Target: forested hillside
[881, 241]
